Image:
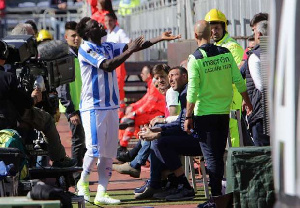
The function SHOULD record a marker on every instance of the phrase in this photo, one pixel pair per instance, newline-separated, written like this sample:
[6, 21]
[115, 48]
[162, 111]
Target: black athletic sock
[173, 180]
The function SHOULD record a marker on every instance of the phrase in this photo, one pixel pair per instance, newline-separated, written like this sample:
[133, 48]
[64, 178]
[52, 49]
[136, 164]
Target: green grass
[128, 200]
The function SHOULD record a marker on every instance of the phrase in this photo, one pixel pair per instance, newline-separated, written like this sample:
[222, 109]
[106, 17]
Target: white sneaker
[83, 190]
[104, 198]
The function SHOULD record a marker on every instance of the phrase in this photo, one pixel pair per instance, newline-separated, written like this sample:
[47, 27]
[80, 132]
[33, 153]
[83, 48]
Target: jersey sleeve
[118, 48]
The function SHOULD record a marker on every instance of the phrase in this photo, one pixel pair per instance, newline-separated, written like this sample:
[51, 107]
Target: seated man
[152, 104]
[23, 106]
[172, 135]
[133, 167]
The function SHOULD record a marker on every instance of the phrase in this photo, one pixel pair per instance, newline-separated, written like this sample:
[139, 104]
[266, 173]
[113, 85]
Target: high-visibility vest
[126, 6]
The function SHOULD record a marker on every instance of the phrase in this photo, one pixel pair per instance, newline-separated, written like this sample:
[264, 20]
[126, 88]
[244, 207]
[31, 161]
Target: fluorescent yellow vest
[237, 52]
[126, 6]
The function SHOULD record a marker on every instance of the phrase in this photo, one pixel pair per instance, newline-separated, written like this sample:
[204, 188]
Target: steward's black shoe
[182, 194]
[147, 194]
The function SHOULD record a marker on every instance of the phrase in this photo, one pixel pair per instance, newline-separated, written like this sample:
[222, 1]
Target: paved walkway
[117, 181]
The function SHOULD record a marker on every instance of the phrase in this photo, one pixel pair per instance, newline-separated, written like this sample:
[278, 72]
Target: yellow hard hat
[44, 35]
[215, 15]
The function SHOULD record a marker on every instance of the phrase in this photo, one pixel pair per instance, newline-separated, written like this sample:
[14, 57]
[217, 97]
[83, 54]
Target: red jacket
[152, 101]
[99, 16]
[2, 4]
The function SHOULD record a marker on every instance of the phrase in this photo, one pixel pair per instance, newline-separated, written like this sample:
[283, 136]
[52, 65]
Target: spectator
[209, 97]
[160, 176]
[152, 104]
[170, 141]
[69, 95]
[221, 37]
[98, 106]
[256, 19]
[255, 87]
[103, 7]
[160, 73]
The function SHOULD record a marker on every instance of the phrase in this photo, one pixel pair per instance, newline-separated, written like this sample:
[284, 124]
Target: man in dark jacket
[255, 88]
[69, 95]
[170, 140]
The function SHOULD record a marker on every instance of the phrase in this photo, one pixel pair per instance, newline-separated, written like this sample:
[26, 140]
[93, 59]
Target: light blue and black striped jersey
[99, 88]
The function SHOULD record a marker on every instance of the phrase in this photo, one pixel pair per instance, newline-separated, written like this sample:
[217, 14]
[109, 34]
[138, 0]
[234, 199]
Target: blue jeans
[156, 166]
[134, 151]
[142, 155]
[213, 132]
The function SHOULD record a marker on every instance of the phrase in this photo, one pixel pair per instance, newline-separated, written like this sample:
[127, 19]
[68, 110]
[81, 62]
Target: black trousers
[170, 148]
[213, 132]
[78, 144]
[259, 138]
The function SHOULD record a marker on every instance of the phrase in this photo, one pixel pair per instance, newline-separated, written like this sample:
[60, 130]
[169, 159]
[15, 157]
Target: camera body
[24, 62]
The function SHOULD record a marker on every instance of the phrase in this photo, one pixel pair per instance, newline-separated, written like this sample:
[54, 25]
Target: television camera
[35, 68]
[34, 72]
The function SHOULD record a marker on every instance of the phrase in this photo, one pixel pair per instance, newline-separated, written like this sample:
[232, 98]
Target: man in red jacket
[152, 104]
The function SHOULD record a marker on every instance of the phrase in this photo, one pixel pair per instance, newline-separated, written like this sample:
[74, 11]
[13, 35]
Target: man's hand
[249, 108]
[36, 94]
[188, 125]
[246, 103]
[168, 36]
[147, 134]
[135, 45]
[157, 120]
[75, 120]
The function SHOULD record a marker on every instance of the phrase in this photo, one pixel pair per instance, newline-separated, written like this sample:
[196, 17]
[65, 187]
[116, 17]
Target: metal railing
[179, 16]
[149, 19]
[45, 17]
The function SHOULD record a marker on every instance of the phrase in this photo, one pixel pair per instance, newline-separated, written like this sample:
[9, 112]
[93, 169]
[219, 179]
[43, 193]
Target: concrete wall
[179, 51]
